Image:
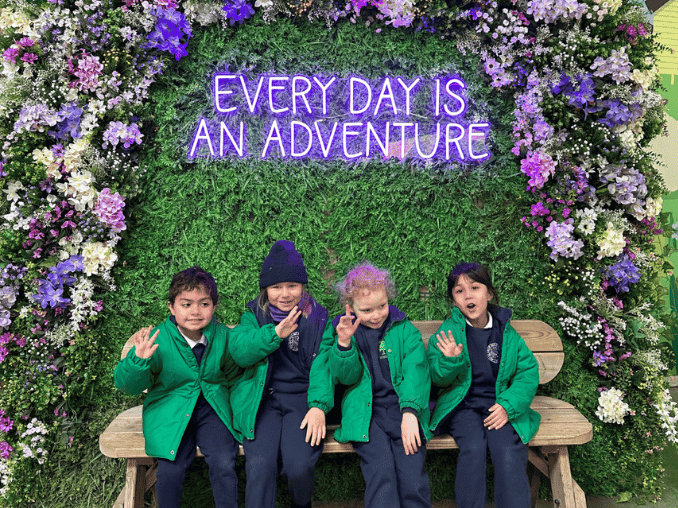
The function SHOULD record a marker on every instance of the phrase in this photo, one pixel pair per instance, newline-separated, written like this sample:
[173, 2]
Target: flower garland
[76, 75]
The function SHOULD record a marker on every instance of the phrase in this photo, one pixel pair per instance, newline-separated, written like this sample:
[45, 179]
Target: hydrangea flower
[611, 408]
[108, 210]
[538, 166]
[562, 242]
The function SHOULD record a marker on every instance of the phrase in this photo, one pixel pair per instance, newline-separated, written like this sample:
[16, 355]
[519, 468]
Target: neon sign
[325, 116]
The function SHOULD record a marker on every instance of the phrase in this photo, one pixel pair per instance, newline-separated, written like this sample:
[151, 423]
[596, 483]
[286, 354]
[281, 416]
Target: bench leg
[566, 492]
[135, 483]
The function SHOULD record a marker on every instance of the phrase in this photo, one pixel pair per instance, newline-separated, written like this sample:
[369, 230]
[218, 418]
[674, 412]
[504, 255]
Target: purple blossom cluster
[633, 32]
[530, 125]
[51, 289]
[36, 118]
[617, 65]
[69, 125]
[87, 70]
[580, 90]
[170, 28]
[600, 358]
[619, 113]
[625, 184]
[119, 132]
[44, 233]
[553, 10]
[6, 339]
[19, 51]
[622, 273]
[544, 211]
[108, 209]
[538, 166]
[237, 11]
[561, 240]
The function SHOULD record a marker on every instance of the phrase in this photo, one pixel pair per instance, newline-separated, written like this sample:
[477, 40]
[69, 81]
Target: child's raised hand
[346, 328]
[447, 345]
[314, 421]
[143, 345]
[409, 429]
[289, 324]
[497, 419]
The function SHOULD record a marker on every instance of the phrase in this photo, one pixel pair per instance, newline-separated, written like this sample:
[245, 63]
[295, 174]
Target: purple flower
[5, 450]
[69, 125]
[25, 42]
[237, 11]
[6, 423]
[10, 54]
[538, 166]
[29, 57]
[170, 27]
[108, 210]
[622, 273]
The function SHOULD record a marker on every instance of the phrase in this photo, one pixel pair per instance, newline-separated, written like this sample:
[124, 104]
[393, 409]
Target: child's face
[285, 295]
[472, 298]
[371, 307]
[193, 311]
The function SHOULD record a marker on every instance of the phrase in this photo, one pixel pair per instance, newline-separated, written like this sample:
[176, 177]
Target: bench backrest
[542, 340]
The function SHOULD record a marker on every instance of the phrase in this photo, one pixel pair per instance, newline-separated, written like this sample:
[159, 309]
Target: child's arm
[320, 390]
[248, 343]
[522, 385]
[445, 357]
[345, 365]
[134, 373]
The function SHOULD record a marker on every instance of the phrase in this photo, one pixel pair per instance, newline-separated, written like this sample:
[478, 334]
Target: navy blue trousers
[277, 435]
[392, 479]
[509, 458]
[206, 430]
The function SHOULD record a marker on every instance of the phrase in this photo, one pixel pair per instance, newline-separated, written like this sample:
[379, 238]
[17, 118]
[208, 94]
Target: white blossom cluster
[582, 326]
[611, 408]
[37, 432]
[668, 415]
[83, 304]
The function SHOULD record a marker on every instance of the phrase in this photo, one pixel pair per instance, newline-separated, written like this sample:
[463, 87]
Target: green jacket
[409, 373]
[517, 378]
[250, 346]
[174, 381]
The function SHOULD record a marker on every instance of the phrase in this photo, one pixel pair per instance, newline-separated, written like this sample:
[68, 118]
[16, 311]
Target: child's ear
[170, 307]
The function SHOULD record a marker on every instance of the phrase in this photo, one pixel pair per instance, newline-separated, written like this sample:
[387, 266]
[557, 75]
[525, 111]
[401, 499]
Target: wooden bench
[561, 425]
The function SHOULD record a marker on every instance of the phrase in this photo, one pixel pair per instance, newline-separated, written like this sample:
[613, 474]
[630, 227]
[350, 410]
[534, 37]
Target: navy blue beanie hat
[283, 264]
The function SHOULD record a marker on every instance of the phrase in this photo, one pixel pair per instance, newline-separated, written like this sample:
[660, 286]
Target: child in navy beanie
[281, 409]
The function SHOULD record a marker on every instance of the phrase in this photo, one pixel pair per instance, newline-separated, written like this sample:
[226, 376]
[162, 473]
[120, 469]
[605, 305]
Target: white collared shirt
[191, 342]
[488, 325]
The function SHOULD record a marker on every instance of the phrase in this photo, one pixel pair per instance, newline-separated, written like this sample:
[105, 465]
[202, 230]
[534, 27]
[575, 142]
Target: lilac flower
[108, 210]
[538, 166]
[622, 273]
[562, 242]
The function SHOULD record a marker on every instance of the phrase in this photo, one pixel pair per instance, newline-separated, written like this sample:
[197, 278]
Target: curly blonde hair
[364, 276]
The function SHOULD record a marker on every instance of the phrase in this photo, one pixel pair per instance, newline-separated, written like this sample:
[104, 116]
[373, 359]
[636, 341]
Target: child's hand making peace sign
[346, 328]
[447, 345]
[289, 324]
[143, 345]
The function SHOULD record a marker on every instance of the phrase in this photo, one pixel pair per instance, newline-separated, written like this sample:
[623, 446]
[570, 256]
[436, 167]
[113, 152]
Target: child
[281, 409]
[385, 410]
[490, 377]
[186, 368]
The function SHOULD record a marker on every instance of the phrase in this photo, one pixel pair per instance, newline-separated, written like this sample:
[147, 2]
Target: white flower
[98, 258]
[12, 189]
[611, 243]
[611, 409]
[668, 415]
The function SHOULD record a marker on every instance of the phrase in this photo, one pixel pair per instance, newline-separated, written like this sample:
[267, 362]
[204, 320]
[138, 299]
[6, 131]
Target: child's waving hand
[289, 324]
[447, 345]
[346, 328]
[143, 345]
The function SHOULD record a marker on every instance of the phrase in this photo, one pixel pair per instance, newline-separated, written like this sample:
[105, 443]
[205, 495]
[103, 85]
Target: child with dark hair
[379, 353]
[281, 403]
[186, 368]
[489, 377]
